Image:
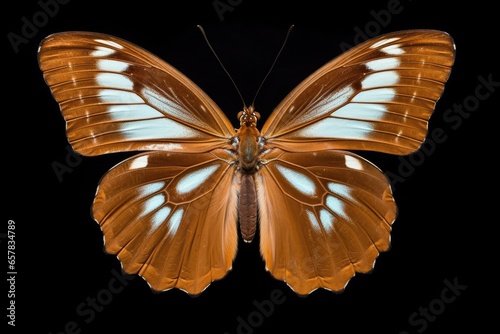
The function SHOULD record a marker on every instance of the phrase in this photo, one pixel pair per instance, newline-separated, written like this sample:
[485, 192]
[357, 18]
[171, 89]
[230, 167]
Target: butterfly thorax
[249, 140]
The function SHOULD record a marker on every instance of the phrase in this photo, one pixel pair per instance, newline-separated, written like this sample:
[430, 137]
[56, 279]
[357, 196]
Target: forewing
[116, 96]
[377, 96]
[323, 217]
[171, 217]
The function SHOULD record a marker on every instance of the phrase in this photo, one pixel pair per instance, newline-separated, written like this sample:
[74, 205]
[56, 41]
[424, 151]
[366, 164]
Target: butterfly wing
[168, 216]
[171, 217]
[377, 96]
[336, 213]
[116, 96]
[323, 216]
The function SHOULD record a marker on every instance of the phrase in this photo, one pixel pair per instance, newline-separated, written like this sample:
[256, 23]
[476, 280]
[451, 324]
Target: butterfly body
[171, 212]
[248, 144]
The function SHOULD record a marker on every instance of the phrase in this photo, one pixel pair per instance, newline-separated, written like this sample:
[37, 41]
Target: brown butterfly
[170, 213]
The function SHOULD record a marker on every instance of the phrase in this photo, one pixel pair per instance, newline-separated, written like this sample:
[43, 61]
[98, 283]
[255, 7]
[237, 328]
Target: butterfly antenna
[274, 62]
[220, 62]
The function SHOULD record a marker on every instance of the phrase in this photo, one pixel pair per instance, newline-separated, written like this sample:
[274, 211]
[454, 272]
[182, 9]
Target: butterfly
[173, 212]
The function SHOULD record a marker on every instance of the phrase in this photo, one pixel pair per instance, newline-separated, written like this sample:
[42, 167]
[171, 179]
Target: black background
[445, 231]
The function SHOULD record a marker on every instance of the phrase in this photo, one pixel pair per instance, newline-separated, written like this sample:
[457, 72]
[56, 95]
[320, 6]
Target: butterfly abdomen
[247, 207]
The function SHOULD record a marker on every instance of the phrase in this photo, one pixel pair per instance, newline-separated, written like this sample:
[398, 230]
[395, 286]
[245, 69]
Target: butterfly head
[248, 117]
